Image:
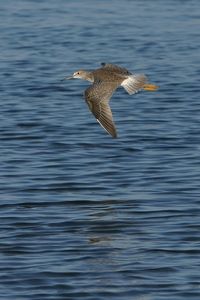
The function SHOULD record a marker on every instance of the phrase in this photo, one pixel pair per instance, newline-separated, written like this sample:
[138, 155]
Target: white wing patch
[134, 83]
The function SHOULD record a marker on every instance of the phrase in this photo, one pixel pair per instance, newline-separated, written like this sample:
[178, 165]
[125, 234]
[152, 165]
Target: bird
[105, 80]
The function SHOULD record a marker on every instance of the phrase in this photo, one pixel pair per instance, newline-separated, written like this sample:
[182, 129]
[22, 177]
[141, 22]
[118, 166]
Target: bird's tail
[150, 87]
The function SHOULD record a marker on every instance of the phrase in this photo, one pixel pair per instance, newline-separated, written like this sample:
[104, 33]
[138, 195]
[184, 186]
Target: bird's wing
[133, 83]
[115, 68]
[97, 97]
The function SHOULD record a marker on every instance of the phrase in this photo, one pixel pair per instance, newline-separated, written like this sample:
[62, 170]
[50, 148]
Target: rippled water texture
[84, 216]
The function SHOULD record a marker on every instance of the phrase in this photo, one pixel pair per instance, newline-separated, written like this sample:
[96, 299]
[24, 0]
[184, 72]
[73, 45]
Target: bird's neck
[89, 76]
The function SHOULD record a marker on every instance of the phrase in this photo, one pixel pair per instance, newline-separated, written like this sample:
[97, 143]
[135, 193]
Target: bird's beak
[67, 78]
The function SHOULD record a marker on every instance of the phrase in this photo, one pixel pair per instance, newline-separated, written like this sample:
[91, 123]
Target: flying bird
[105, 81]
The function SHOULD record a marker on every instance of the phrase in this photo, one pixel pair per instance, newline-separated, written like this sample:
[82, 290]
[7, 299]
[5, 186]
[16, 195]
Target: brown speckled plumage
[105, 81]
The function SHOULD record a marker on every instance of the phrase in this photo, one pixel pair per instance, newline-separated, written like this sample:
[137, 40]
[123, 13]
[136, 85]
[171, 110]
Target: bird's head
[81, 74]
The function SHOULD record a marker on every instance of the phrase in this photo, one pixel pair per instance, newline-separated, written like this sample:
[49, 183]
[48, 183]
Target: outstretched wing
[97, 97]
[115, 68]
[134, 83]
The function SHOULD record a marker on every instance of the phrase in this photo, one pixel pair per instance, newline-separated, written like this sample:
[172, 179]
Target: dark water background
[83, 216]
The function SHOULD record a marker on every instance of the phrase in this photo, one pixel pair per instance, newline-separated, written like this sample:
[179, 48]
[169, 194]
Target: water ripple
[84, 216]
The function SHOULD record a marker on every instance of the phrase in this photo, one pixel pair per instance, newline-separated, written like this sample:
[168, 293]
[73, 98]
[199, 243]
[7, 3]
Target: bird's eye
[77, 73]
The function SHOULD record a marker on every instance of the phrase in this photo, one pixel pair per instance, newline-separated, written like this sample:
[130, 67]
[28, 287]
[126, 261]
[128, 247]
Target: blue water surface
[84, 216]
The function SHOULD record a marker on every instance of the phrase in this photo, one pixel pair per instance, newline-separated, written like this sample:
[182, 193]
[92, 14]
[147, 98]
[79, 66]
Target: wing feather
[133, 83]
[97, 97]
[115, 68]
